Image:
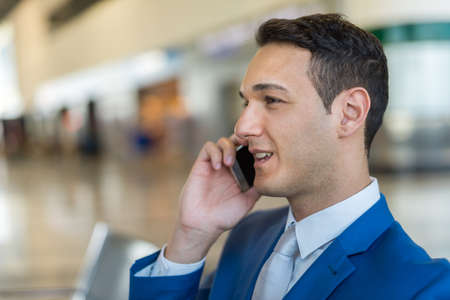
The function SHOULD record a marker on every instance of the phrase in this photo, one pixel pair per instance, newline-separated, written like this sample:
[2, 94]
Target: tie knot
[287, 245]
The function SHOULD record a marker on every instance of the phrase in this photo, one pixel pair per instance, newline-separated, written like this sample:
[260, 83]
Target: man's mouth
[262, 157]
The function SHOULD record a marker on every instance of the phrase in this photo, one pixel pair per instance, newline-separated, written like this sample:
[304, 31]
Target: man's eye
[270, 100]
[245, 104]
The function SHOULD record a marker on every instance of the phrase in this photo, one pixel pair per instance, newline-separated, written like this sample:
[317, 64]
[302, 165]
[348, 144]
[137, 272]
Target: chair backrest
[105, 273]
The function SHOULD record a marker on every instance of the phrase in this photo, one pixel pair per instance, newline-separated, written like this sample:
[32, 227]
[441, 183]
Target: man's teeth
[261, 155]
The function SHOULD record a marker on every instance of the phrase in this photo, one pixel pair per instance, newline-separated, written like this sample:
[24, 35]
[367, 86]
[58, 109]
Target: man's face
[288, 129]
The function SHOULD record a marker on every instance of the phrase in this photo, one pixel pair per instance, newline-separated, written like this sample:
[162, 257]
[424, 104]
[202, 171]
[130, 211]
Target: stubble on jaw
[308, 180]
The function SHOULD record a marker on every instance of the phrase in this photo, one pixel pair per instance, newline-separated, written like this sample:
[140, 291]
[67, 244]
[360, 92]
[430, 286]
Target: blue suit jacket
[372, 259]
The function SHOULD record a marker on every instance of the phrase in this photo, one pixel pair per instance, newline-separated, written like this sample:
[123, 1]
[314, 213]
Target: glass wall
[416, 131]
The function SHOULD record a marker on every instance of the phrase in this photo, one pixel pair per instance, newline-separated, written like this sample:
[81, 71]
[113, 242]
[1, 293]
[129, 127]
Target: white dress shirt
[164, 267]
[314, 234]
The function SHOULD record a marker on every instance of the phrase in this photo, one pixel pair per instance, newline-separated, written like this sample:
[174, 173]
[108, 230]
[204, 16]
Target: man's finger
[236, 140]
[211, 152]
[228, 150]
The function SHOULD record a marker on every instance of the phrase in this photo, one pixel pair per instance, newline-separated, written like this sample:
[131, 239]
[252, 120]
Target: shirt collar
[324, 226]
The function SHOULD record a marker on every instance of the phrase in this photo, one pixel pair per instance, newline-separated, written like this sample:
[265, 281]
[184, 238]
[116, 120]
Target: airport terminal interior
[106, 103]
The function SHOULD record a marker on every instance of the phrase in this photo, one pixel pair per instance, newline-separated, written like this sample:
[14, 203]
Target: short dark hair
[342, 56]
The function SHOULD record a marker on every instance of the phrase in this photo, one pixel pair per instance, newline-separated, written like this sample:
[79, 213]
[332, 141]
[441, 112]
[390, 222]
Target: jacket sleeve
[184, 287]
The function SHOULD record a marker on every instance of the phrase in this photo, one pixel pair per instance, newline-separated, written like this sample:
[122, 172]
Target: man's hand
[211, 202]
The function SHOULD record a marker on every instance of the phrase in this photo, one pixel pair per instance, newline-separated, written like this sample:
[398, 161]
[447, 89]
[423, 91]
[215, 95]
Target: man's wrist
[188, 246]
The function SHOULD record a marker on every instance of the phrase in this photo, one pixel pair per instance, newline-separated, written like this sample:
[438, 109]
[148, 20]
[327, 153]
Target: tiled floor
[48, 208]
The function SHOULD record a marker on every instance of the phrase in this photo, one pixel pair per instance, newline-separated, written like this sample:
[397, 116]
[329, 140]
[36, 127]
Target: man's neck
[329, 193]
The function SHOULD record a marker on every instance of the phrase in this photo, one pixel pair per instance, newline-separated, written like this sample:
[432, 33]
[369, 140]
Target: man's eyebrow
[268, 86]
[265, 86]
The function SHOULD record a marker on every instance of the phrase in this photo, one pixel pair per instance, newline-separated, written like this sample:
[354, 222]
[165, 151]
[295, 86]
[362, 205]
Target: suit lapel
[255, 262]
[319, 281]
[334, 265]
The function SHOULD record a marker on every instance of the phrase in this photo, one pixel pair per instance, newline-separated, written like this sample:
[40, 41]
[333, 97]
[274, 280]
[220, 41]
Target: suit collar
[366, 229]
[326, 225]
[334, 265]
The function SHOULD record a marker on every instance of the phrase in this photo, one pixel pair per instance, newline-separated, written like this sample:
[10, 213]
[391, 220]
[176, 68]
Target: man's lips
[261, 156]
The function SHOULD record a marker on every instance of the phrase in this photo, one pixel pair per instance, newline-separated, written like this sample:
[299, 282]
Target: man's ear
[351, 107]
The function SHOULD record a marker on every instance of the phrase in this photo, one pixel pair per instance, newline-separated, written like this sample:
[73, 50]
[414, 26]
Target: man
[314, 96]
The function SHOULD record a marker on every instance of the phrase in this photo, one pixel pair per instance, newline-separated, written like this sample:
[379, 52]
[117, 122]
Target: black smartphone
[242, 169]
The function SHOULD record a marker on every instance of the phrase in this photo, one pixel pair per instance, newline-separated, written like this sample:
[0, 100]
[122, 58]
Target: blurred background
[105, 103]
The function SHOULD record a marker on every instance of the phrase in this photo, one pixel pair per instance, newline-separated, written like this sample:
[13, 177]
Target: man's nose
[250, 123]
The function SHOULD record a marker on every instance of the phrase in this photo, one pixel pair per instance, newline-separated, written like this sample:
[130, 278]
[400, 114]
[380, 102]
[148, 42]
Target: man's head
[307, 92]
[343, 56]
